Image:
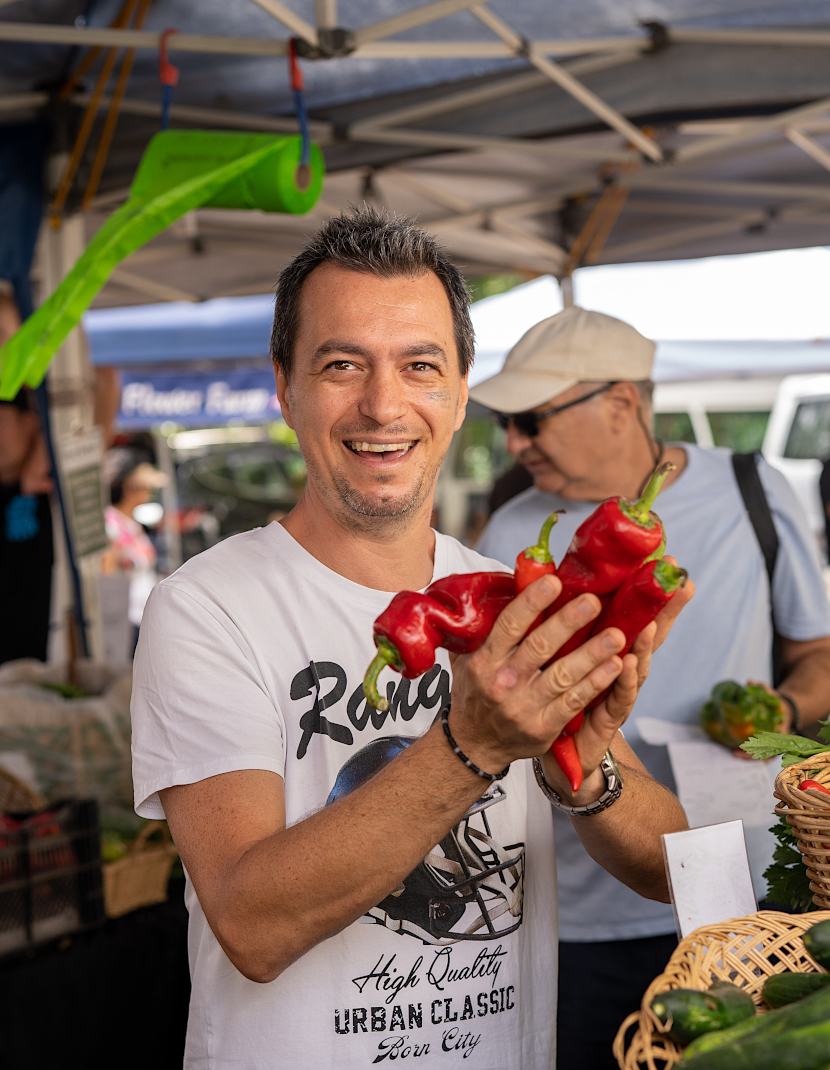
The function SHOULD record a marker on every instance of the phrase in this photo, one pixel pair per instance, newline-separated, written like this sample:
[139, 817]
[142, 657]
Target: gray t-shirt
[724, 633]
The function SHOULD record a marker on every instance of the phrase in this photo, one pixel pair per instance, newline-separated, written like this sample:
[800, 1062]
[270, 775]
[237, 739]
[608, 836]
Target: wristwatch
[614, 786]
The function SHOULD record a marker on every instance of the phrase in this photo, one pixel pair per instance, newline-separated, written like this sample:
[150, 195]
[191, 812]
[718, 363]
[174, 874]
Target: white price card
[709, 877]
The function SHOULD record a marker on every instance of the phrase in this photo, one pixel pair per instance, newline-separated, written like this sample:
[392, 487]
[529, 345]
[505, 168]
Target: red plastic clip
[168, 74]
[297, 80]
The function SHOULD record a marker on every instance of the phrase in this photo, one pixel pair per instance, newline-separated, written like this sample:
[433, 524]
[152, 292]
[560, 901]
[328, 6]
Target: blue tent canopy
[221, 329]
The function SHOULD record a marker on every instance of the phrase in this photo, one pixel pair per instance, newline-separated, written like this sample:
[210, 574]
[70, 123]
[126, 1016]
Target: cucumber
[810, 1010]
[737, 1005]
[798, 1049]
[691, 1013]
[785, 988]
[817, 942]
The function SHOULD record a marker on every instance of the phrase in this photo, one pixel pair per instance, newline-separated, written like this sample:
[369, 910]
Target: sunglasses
[528, 422]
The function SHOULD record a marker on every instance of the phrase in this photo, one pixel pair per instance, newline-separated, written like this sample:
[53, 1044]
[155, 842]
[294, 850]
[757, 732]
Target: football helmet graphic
[468, 887]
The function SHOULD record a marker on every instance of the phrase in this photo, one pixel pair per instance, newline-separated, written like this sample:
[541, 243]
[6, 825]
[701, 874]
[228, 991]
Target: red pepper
[535, 562]
[607, 547]
[564, 751]
[807, 785]
[614, 541]
[637, 603]
[457, 612]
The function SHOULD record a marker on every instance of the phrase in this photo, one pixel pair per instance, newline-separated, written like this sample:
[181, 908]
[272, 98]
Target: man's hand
[506, 705]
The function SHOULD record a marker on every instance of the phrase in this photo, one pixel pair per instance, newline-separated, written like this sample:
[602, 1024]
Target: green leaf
[786, 877]
[768, 744]
[824, 731]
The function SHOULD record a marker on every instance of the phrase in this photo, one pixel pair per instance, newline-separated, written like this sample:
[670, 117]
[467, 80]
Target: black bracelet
[796, 721]
[445, 713]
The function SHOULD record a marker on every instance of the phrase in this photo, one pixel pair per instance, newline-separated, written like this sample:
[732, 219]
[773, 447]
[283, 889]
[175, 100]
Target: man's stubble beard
[365, 513]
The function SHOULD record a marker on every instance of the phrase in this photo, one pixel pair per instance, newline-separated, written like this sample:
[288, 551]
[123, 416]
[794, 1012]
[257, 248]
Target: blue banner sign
[208, 399]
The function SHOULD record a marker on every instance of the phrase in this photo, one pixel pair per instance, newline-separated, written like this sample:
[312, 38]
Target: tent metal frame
[663, 175]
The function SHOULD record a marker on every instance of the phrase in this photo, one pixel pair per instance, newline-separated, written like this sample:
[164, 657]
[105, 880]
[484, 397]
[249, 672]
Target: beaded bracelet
[445, 714]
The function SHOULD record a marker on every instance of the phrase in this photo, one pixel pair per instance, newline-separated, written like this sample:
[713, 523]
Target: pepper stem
[670, 577]
[643, 506]
[387, 655]
[541, 551]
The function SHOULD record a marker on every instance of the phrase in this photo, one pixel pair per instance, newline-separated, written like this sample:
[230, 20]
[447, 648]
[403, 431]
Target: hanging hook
[303, 174]
[168, 76]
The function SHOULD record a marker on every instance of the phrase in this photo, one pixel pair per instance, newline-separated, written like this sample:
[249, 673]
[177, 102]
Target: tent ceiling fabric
[472, 122]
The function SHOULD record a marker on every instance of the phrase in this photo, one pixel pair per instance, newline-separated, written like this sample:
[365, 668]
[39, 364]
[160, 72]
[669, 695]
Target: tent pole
[808, 145]
[408, 20]
[571, 85]
[298, 26]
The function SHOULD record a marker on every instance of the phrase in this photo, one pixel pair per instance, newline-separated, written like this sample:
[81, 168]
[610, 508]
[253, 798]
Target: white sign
[81, 461]
[709, 876]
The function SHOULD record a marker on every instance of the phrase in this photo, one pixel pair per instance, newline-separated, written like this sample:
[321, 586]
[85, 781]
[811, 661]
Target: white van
[729, 412]
[797, 440]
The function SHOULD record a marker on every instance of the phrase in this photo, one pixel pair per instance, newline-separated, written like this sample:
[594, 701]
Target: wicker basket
[139, 879]
[744, 950]
[809, 815]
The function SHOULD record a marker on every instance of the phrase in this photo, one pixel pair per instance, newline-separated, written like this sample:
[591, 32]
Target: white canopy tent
[528, 136]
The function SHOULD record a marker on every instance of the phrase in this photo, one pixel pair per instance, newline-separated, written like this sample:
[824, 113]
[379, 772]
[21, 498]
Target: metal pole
[170, 502]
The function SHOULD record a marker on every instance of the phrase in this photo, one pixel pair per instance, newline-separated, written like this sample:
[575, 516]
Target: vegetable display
[734, 713]
[720, 1030]
[817, 942]
[689, 1013]
[614, 555]
[784, 988]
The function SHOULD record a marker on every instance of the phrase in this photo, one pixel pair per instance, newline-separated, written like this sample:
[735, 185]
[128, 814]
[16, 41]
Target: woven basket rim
[704, 951]
[787, 781]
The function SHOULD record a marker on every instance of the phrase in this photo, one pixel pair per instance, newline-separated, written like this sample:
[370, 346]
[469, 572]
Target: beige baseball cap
[571, 347]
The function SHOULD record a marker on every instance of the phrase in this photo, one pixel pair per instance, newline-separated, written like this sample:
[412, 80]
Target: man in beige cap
[575, 398]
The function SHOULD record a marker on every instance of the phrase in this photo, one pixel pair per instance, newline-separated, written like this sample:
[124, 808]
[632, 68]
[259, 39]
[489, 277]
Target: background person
[358, 890]
[577, 392]
[130, 549]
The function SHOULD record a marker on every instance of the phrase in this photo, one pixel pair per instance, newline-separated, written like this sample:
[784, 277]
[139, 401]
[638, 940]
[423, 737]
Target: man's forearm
[807, 679]
[625, 838]
[301, 884]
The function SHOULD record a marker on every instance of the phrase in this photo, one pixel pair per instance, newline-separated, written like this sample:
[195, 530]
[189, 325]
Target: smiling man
[369, 886]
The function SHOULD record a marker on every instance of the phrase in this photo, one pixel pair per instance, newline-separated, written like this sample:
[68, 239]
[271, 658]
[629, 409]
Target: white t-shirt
[251, 656]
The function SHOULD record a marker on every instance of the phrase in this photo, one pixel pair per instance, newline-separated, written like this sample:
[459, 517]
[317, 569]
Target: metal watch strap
[612, 792]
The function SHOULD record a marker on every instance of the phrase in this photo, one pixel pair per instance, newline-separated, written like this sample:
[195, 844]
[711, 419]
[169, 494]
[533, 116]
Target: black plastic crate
[50, 874]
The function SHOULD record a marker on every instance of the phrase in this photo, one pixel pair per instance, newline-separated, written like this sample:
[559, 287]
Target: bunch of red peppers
[615, 554]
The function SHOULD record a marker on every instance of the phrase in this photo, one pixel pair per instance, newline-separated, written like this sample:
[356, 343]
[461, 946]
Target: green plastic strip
[180, 170]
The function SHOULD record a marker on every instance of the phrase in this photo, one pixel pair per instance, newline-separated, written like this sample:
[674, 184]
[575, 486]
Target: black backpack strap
[758, 511]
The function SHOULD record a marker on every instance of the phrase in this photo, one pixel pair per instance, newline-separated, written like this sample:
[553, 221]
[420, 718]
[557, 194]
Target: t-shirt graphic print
[468, 887]
[252, 656]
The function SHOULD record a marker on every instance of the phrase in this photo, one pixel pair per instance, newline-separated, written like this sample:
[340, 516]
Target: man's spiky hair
[377, 242]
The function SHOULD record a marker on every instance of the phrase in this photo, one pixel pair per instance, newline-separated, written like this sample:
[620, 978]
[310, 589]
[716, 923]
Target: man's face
[375, 392]
[570, 446]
